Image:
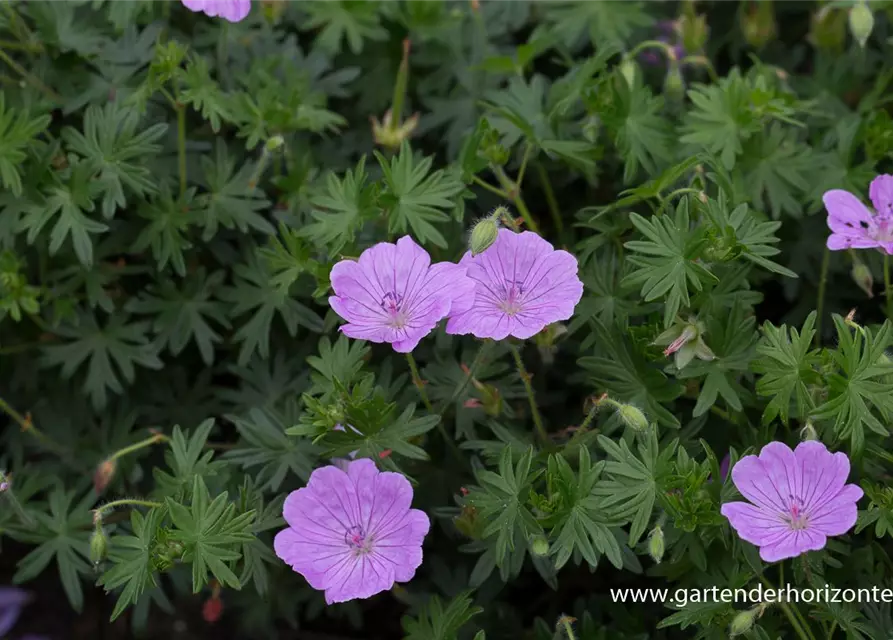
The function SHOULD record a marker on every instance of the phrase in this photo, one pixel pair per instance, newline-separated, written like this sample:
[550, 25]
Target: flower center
[392, 303]
[883, 228]
[796, 518]
[511, 302]
[356, 539]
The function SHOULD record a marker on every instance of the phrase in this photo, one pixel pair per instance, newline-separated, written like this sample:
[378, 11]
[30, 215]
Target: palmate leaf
[169, 217]
[181, 315]
[862, 384]
[438, 622]
[608, 23]
[130, 557]
[628, 376]
[583, 523]
[394, 435]
[187, 459]
[777, 171]
[341, 209]
[353, 21]
[63, 534]
[233, 200]
[211, 533]
[631, 491]
[341, 361]
[501, 499]
[255, 290]
[643, 137]
[789, 366]
[112, 352]
[114, 149]
[668, 260]
[257, 553]
[264, 444]
[202, 92]
[17, 129]
[68, 201]
[416, 199]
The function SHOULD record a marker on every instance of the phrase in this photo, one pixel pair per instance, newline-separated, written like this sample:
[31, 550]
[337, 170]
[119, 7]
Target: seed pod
[99, 545]
[632, 417]
[743, 622]
[656, 544]
[483, 235]
[539, 546]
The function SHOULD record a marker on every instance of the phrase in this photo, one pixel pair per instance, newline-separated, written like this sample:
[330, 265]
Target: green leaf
[63, 534]
[202, 92]
[864, 382]
[131, 560]
[500, 499]
[341, 209]
[265, 444]
[187, 459]
[167, 231]
[668, 260]
[181, 315]
[114, 150]
[789, 368]
[211, 534]
[438, 622]
[17, 131]
[353, 21]
[415, 198]
[607, 23]
[112, 352]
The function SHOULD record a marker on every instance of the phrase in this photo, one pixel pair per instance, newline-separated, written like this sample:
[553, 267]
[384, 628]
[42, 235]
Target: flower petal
[847, 208]
[289, 547]
[752, 481]
[753, 524]
[793, 544]
[838, 242]
[824, 474]
[881, 194]
[838, 515]
[401, 545]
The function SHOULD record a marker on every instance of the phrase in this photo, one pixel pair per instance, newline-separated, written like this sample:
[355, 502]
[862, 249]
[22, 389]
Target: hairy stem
[888, 291]
[820, 303]
[525, 378]
[489, 187]
[419, 384]
[27, 425]
[181, 147]
[29, 77]
[7, 490]
[551, 201]
[156, 438]
[478, 359]
[127, 502]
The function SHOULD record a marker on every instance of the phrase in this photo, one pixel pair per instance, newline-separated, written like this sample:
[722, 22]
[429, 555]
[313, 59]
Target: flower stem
[27, 425]
[569, 630]
[127, 502]
[489, 187]
[820, 303]
[551, 201]
[522, 170]
[478, 358]
[888, 291]
[419, 384]
[513, 191]
[154, 439]
[525, 378]
[7, 490]
[181, 147]
[589, 418]
[29, 77]
[803, 630]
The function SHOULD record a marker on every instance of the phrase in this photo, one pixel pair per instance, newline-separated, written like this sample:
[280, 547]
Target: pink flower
[853, 225]
[522, 284]
[352, 533]
[231, 10]
[799, 498]
[394, 294]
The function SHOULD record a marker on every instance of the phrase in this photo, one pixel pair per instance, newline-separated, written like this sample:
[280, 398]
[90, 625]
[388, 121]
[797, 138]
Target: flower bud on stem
[7, 493]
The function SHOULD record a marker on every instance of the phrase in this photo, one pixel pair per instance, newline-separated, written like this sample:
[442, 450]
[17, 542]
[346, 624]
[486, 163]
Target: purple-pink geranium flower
[853, 225]
[351, 532]
[799, 498]
[231, 10]
[12, 599]
[522, 284]
[394, 294]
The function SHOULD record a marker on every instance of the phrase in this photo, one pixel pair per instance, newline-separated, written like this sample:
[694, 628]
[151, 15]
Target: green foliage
[175, 190]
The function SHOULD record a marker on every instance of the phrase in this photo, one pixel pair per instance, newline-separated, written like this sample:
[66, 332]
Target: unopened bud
[861, 275]
[274, 143]
[629, 70]
[861, 22]
[104, 474]
[484, 234]
[212, 609]
[539, 546]
[743, 622]
[656, 544]
[759, 24]
[808, 432]
[674, 85]
[829, 29]
[632, 417]
[99, 544]
[693, 29]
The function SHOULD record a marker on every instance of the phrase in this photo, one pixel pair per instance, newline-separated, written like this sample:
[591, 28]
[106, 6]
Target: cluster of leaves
[174, 191]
